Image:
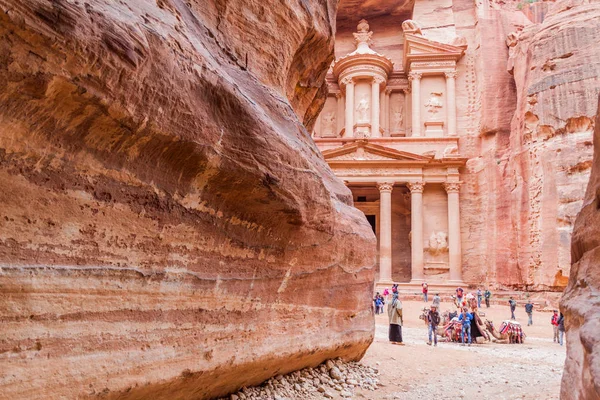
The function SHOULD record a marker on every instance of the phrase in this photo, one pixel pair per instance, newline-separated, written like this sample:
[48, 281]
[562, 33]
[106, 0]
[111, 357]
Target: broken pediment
[419, 48]
[364, 151]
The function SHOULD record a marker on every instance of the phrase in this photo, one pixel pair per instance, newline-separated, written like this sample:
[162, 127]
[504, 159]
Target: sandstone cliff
[167, 227]
[526, 186]
[581, 300]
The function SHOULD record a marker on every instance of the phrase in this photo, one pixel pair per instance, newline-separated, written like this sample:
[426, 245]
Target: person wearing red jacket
[554, 322]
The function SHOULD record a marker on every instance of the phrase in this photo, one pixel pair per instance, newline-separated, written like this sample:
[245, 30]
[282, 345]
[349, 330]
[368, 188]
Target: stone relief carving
[362, 35]
[451, 151]
[362, 109]
[416, 187]
[434, 104]
[329, 124]
[364, 156]
[398, 121]
[438, 243]
[385, 186]
[452, 187]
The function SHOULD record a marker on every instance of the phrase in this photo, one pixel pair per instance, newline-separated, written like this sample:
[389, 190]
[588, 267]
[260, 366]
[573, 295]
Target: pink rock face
[167, 227]
[527, 184]
[580, 302]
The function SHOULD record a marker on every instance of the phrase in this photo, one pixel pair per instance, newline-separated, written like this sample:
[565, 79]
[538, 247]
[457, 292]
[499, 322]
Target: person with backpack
[561, 328]
[529, 311]
[465, 319]
[487, 294]
[378, 304]
[513, 307]
[554, 322]
[425, 290]
[433, 319]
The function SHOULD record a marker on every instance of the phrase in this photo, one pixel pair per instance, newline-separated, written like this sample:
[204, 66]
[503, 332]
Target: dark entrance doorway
[372, 220]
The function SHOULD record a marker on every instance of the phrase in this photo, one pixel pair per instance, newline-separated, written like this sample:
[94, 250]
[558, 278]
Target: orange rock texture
[580, 302]
[167, 227]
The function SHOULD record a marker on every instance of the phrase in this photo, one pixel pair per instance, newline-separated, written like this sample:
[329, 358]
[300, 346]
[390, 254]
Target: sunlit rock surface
[167, 227]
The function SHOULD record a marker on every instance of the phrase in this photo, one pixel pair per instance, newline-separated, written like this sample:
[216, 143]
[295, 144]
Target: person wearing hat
[395, 315]
[433, 319]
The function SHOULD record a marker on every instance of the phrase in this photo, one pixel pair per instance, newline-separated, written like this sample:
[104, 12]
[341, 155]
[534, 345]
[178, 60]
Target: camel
[511, 332]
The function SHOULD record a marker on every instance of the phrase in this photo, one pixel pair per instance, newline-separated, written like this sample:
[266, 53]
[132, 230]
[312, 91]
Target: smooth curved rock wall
[167, 227]
[581, 301]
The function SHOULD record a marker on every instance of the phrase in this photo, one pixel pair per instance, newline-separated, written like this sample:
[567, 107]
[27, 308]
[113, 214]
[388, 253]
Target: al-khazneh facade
[390, 132]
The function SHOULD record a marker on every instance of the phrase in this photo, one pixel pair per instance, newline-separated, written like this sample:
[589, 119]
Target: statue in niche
[329, 124]
[362, 109]
[438, 243]
[434, 104]
[398, 121]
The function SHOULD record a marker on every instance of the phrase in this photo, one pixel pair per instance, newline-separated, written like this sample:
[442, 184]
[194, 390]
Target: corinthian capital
[452, 187]
[378, 79]
[451, 74]
[346, 81]
[385, 186]
[416, 187]
[414, 75]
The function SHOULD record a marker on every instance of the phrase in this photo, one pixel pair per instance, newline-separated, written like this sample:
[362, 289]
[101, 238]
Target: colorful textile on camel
[512, 328]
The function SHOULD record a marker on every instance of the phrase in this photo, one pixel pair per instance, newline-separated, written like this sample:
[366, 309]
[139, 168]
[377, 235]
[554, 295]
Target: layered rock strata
[581, 300]
[525, 187]
[167, 227]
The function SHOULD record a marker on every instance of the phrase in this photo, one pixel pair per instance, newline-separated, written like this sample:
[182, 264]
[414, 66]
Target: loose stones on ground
[325, 381]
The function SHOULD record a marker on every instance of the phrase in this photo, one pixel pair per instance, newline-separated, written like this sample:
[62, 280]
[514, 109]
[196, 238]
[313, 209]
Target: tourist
[378, 305]
[395, 315]
[459, 297]
[465, 319]
[433, 319]
[395, 288]
[425, 290]
[529, 311]
[554, 322]
[479, 297]
[382, 304]
[377, 302]
[513, 307]
[561, 328]
[437, 301]
[487, 294]
[386, 294]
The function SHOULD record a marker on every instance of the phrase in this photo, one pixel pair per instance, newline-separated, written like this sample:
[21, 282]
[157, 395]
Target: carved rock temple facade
[465, 136]
[390, 132]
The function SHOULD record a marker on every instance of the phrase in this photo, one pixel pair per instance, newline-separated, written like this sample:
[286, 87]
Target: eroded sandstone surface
[167, 227]
[581, 300]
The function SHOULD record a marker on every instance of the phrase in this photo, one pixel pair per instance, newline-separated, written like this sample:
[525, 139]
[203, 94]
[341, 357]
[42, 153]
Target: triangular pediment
[361, 151]
[417, 47]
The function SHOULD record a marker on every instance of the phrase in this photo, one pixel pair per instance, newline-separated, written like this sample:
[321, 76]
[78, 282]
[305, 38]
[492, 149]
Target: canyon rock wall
[531, 174]
[167, 227]
[581, 300]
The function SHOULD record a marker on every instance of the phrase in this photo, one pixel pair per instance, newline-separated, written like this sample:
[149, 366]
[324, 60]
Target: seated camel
[510, 332]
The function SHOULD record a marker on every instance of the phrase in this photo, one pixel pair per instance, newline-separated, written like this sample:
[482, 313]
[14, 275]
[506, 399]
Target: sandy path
[418, 371]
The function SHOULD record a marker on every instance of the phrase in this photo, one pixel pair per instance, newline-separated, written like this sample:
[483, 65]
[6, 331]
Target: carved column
[416, 223]
[339, 118]
[451, 102]
[349, 107]
[375, 106]
[385, 232]
[387, 126]
[454, 250]
[415, 78]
